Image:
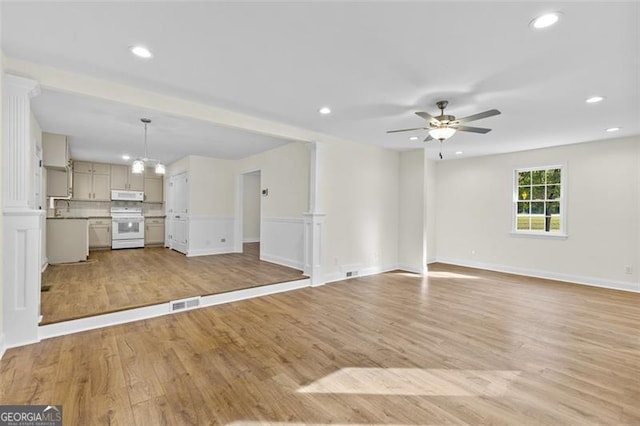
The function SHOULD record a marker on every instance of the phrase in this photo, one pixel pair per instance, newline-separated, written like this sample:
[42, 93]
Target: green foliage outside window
[538, 204]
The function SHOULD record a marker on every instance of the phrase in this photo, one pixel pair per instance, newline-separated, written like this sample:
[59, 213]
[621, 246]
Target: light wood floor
[113, 280]
[461, 347]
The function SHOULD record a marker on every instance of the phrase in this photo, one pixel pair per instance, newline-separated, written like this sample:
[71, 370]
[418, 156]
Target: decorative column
[21, 222]
[314, 221]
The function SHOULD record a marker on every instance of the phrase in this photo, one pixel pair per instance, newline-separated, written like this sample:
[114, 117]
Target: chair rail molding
[22, 224]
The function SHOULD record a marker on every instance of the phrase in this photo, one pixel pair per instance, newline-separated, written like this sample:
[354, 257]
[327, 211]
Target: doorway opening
[251, 211]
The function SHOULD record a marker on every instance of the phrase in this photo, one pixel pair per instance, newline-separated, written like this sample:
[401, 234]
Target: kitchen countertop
[69, 217]
[101, 217]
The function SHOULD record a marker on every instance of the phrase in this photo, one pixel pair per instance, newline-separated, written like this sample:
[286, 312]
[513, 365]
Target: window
[538, 201]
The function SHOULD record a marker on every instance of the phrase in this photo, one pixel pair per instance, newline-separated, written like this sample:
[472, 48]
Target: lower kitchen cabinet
[154, 231]
[99, 233]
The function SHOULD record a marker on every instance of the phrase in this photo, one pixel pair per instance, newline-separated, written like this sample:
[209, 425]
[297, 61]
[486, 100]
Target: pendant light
[138, 164]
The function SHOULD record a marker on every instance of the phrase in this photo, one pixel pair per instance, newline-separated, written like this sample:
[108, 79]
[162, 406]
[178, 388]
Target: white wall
[36, 132]
[284, 171]
[2, 346]
[211, 187]
[411, 210]
[359, 191]
[603, 209]
[251, 208]
[431, 210]
[213, 191]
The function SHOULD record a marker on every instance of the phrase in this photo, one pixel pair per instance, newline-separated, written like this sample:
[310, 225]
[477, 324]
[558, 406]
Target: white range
[128, 227]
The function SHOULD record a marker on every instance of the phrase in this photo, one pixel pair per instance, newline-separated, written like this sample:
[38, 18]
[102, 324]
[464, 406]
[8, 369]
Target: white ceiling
[373, 63]
[101, 130]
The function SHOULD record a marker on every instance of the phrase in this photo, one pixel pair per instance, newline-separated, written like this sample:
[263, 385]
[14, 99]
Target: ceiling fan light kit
[442, 133]
[443, 126]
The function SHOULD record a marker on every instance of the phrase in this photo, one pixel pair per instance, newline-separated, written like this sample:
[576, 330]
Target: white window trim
[563, 235]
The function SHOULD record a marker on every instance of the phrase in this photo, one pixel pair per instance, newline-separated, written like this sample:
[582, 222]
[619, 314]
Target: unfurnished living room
[307, 212]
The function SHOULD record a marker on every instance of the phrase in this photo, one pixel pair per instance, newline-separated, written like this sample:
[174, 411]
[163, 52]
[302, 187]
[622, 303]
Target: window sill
[544, 235]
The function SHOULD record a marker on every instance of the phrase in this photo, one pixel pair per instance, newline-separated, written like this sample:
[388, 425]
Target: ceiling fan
[443, 126]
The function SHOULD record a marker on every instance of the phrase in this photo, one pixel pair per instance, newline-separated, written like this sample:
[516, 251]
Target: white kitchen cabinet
[55, 151]
[56, 157]
[99, 233]
[82, 189]
[92, 181]
[153, 190]
[59, 183]
[123, 178]
[154, 231]
[67, 240]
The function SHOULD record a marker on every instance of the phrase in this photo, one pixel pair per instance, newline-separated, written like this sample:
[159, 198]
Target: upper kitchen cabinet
[55, 151]
[92, 181]
[59, 183]
[153, 187]
[122, 178]
[56, 157]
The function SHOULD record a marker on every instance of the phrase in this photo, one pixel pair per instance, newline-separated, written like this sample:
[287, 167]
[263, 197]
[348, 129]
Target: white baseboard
[45, 265]
[130, 315]
[251, 240]
[3, 348]
[372, 270]
[209, 251]
[415, 269]
[574, 279]
[281, 261]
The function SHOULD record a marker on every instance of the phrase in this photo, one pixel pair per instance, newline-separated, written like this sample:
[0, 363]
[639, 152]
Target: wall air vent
[180, 305]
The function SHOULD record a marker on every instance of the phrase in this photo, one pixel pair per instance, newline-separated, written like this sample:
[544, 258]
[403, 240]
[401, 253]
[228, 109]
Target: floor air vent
[179, 305]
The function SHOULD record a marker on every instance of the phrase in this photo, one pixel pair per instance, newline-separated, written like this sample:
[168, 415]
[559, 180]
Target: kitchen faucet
[56, 211]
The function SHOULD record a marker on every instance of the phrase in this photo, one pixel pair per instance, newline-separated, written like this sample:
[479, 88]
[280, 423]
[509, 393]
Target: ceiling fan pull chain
[440, 149]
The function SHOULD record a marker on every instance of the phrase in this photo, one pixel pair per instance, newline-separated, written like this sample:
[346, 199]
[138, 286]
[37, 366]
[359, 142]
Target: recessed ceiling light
[413, 138]
[458, 152]
[126, 157]
[141, 52]
[613, 129]
[594, 99]
[324, 110]
[545, 21]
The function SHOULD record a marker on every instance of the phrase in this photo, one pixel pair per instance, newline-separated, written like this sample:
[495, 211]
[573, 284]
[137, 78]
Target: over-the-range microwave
[120, 195]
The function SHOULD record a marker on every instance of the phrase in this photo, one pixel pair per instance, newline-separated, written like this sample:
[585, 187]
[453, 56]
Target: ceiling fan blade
[471, 129]
[428, 138]
[406, 130]
[479, 116]
[427, 117]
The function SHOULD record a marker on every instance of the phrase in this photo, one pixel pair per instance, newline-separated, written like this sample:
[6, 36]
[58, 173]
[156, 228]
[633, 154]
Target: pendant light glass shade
[137, 167]
[442, 133]
[139, 164]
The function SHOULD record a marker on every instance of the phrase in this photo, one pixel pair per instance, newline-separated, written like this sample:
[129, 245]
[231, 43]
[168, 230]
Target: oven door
[128, 228]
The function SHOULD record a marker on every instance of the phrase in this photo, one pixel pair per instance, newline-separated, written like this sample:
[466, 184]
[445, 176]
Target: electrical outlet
[473, 252]
[628, 270]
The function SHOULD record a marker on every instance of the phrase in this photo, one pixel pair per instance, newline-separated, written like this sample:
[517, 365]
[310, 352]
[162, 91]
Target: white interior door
[177, 215]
